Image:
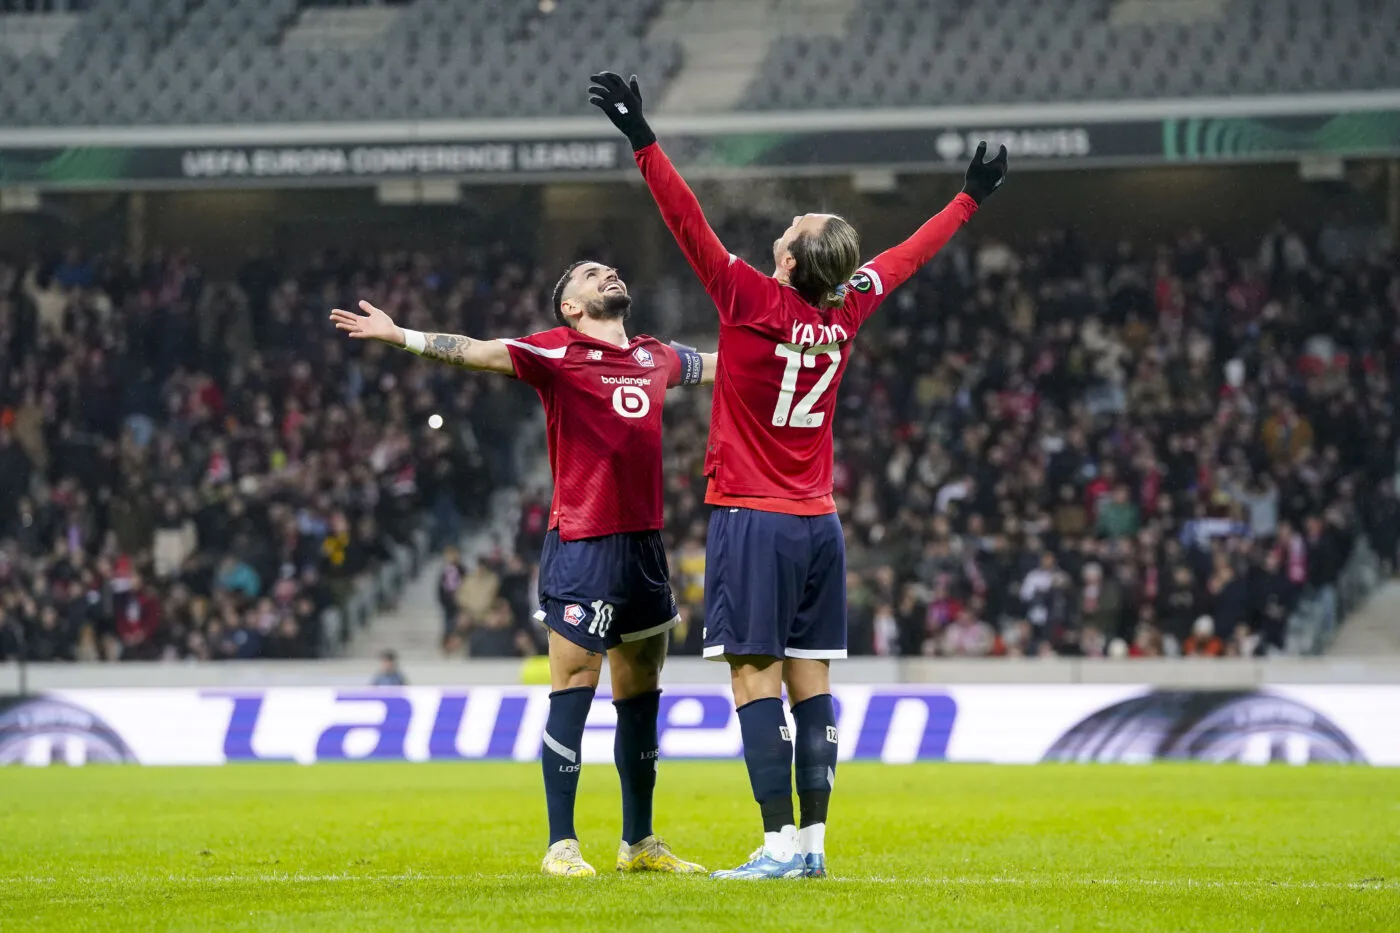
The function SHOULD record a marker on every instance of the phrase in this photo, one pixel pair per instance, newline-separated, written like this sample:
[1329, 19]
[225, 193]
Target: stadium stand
[206, 470]
[1041, 451]
[905, 53]
[1170, 451]
[247, 61]
[281, 60]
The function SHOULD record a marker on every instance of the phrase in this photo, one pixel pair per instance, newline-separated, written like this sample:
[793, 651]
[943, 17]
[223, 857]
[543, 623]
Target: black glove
[984, 177]
[622, 102]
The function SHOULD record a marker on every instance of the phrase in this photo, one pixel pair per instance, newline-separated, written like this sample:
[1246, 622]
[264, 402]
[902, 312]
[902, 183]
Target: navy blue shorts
[775, 585]
[600, 592]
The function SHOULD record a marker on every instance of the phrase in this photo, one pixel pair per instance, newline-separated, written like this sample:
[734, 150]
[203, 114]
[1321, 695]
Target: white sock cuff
[782, 845]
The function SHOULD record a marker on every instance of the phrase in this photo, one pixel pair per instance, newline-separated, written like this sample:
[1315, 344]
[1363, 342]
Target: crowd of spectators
[1038, 450]
[197, 469]
[1049, 452]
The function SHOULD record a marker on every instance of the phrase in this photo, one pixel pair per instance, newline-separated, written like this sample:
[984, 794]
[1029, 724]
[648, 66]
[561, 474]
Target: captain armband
[692, 366]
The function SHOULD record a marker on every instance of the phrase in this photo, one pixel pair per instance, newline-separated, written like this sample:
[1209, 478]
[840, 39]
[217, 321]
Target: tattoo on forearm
[448, 348]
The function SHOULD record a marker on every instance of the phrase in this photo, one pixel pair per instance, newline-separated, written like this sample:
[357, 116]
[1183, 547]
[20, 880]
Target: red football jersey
[780, 359]
[602, 406]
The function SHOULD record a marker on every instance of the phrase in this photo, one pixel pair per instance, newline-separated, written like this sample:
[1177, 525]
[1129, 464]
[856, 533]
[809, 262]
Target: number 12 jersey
[781, 359]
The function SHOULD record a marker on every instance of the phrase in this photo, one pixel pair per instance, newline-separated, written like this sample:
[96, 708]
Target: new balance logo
[831, 734]
[786, 733]
[594, 355]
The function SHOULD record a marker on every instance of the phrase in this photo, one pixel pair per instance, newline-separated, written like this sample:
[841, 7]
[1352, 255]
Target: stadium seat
[148, 49]
[893, 53]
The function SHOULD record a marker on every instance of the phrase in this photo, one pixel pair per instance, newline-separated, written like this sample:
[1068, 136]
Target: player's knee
[633, 683]
[755, 677]
[572, 666]
[651, 656]
[578, 677]
[636, 667]
[806, 678]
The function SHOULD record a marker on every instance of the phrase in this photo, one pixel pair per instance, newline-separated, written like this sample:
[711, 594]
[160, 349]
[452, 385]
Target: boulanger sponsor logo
[1051, 142]
[625, 381]
[45, 730]
[630, 401]
[1174, 725]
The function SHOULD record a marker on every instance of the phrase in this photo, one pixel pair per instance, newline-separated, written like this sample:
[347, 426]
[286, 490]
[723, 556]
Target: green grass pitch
[921, 847]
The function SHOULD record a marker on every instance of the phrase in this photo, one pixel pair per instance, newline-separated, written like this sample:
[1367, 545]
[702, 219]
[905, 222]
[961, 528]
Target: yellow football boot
[565, 860]
[652, 854]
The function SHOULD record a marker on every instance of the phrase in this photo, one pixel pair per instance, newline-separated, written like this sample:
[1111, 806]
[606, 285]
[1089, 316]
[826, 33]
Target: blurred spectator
[449, 581]
[1118, 516]
[478, 592]
[1203, 642]
[389, 674]
[968, 636]
[497, 636]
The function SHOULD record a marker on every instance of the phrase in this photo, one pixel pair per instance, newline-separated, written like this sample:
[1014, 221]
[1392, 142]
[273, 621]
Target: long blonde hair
[825, 262]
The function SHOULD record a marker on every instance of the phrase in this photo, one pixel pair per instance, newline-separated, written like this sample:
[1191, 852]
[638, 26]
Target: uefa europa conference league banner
[1204, 139]
[1014, 724]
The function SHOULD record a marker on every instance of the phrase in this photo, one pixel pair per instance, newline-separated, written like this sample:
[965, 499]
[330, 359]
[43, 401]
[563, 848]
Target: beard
[609, 307]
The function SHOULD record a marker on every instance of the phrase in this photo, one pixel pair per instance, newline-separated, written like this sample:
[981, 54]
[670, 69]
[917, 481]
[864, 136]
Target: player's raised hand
[622, 102]
[372, 325]
[985, 177]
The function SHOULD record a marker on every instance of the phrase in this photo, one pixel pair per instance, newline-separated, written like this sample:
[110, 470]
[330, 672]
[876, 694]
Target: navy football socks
[816, 756]
[561, 757]
[768, 754]
[635, 753]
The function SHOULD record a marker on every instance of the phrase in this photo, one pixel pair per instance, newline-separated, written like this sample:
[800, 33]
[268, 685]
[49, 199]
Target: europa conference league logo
[44, 730]
[1207, 725]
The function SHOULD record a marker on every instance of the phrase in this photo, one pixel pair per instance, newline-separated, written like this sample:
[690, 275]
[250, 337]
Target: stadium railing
[374, 593]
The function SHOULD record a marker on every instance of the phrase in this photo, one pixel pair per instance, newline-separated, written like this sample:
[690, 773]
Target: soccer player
[775, 581]
[604, 579]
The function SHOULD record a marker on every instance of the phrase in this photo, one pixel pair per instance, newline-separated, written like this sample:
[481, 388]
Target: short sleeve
[671, 360]
[537, 358]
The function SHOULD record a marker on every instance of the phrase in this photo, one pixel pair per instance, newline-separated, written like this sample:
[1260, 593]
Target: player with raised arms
[775, 576]
[604, 580]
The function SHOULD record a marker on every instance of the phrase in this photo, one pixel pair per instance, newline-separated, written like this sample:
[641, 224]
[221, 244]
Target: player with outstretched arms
[604, 579]
[775, 576]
